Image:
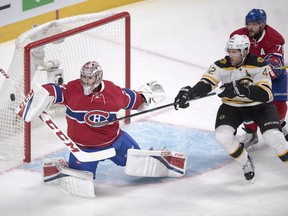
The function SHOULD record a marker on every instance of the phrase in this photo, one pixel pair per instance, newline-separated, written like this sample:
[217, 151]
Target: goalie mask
[91, 76]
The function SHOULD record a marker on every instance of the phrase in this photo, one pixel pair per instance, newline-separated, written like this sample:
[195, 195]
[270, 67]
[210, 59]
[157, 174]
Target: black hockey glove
[184, 95]
[228, 90]
[241, 87]
[233, 89]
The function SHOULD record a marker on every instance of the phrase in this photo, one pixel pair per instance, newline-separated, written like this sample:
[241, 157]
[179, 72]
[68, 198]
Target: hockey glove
[275, 61]
[184, 95]
[152, 92]
[233, 89]
[275, 71]
[227, 90]
[241, 88]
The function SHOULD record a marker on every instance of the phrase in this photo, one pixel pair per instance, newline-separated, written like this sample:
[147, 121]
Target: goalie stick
[70, 144]
[103, 123]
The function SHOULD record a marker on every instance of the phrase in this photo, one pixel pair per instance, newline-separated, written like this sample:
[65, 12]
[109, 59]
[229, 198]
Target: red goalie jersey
[84, 111]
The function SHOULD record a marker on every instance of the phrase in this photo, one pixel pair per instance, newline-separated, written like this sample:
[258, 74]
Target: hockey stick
[283, 67]
[103, 123]
[70, 144]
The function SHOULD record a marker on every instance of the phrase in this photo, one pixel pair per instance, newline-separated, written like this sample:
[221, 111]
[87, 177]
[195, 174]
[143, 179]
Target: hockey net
[70, 42]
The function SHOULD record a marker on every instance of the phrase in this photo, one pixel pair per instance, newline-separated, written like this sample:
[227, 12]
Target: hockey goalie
[89, 100]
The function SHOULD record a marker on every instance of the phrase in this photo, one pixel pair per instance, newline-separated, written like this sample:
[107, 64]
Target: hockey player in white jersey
[246, 93]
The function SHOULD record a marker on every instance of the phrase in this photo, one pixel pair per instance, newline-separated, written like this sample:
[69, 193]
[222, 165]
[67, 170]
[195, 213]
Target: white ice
[173, 41]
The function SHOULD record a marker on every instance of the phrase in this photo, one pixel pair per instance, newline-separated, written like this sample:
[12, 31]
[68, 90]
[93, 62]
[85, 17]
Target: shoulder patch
[254, 60]
[223, 61]
[260, 59]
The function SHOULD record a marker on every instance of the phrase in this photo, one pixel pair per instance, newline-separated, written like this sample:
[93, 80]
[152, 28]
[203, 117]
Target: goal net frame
[61, 36]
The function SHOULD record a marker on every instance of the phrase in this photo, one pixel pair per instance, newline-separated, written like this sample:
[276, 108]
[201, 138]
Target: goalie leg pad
[51, 169]
[77, 182]
[155, 163]
[71, 181]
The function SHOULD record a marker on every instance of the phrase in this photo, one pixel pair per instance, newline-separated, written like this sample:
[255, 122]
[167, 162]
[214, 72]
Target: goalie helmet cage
[72, 41]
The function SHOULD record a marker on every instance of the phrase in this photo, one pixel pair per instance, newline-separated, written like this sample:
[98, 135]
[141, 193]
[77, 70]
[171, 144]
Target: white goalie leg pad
[77, 182]
[155, 163]
[71, 181]
[36, 102]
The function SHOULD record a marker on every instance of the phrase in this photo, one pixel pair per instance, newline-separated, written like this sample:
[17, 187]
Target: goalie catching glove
[152, 92]
[35, 103]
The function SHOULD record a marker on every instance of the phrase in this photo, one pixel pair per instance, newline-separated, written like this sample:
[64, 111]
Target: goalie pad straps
[152, 92]
[36, 102]
[71, 181]
[155, 163]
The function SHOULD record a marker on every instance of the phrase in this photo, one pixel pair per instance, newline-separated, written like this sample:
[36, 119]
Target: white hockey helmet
[240, 42]
[91, 76]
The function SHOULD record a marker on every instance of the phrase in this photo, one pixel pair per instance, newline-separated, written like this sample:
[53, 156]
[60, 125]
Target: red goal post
[70, 42]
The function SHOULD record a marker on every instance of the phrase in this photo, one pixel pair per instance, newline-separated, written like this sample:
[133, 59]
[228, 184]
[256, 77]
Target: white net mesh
[105, 43]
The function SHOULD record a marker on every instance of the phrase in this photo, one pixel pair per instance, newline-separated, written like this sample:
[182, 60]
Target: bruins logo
[260, 60]
[222, 117]
[223, 61]
[246, 81]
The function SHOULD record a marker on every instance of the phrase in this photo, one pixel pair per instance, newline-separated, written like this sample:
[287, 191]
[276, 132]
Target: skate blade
[251, 181]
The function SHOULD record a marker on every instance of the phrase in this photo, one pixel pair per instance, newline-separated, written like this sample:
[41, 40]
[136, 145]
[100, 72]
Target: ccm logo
[165, 153]
[27, 98]
[62, 136]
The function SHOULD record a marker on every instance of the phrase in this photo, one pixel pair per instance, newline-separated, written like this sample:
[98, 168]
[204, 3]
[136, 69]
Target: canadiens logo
[95, 116]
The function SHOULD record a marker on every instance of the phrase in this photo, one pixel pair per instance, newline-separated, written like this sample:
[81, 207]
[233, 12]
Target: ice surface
[173, 42]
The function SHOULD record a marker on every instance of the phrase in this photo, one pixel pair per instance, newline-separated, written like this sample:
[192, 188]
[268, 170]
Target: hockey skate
[250, 140]
[249, 170]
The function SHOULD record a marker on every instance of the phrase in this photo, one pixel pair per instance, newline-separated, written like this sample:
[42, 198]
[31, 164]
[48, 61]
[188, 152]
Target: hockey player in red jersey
[90, 100]
[267, 43]
[246, 93]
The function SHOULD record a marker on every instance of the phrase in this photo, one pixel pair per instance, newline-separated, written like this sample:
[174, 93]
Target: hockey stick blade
[103, 123]
[73, 148]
